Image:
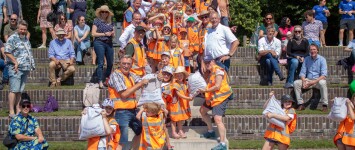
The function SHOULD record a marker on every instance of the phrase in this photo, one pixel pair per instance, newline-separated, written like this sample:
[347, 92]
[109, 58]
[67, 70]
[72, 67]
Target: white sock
[340, 42]
[210, 131]
[224, 144]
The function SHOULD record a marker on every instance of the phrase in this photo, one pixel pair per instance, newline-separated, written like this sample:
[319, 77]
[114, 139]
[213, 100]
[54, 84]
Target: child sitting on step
[179, 107]
[153, 135]
[275, 135]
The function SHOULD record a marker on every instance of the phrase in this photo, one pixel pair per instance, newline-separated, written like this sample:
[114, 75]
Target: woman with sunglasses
[297, 50]
[82, 39]
[268, 22]
[25, 128]
[63, 24]
[103, 32]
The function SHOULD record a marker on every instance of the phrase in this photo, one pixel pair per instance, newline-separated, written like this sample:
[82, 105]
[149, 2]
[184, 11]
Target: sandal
[175, 136]
[182, 134]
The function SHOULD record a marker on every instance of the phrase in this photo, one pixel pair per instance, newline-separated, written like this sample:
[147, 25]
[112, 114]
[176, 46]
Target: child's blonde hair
[152, 107]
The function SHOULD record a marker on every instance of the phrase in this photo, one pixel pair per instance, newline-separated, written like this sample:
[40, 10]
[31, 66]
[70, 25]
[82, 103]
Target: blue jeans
[103, 50]
[272, 65]
[352, 55]
[79, 51]
[294, 67]
[225, 21]
[225, 65]
[310, 41]
[5, 71]
[127, 118]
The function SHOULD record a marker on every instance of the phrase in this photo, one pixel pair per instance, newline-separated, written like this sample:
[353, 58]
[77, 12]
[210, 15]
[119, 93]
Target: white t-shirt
[275, 45]
[218, 41]
[127, 35]
[102, 142]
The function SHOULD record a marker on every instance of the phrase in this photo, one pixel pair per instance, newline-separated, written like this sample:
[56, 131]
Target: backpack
[91, 94]
[51, 104]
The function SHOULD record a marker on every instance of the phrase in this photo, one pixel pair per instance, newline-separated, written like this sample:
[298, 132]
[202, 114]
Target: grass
[78, 145]
[295, 144]
[259, 112]
[4, 113]
[281, 86]
[43, 86]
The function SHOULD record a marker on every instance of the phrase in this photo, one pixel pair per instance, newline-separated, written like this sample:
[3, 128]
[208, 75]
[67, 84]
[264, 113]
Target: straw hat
[167, 26]
[204, 12]
[103, 8]
[181, 69]
[60, 31]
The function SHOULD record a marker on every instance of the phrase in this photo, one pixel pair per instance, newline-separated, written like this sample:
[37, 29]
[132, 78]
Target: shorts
[272, 141]
[347, 24]
[187, 61]
[220, 109]
[127, 118]
[17, 81]
[325, 25]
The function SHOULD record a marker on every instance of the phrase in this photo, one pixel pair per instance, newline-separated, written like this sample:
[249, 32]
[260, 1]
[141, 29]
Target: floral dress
[18, 126]
[46, 8]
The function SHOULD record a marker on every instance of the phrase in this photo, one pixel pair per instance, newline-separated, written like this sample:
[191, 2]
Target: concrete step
[238, 127]
[244, 98]
[241, 74]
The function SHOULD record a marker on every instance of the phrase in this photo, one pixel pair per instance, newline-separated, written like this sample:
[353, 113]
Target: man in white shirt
[128, 32]
[269, 50]
[220, 43]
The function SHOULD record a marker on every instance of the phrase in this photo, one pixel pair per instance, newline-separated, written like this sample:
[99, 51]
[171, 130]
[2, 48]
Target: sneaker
[220, 147]
[340, 45]
[42, 46]
[209, 135]
[288, 85]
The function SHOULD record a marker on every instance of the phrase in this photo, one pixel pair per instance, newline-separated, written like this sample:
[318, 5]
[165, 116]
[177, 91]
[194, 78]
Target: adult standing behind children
[122, 87]
[20, 62]
[217, 93]
[220, 43]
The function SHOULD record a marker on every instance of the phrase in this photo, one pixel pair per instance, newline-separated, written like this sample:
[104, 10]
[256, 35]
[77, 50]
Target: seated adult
[313, 75]
[297, 50]
[63, 24]
[11, 28]
[269, 50]
[62, 55]
[25, 128]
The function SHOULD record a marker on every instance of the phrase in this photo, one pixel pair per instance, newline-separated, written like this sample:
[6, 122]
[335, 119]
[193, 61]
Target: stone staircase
[248, 94]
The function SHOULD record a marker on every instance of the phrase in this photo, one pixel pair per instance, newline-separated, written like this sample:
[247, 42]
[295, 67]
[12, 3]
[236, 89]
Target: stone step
[242, 74]
[238, 127]
[244, 98]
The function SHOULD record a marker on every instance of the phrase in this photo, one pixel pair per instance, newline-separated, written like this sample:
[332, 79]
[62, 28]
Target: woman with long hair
[63, 24]
[268, 22]
[103, 32]
[82, 39]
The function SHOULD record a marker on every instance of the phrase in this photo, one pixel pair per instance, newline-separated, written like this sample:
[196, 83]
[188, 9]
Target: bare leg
[205, 117]
[18, 99]
[341, 36]
[51, 30]
[282, 146]
[44, 36]
[341, 146]
[268, 145]
[351, 35]
[221, 128]
[322, 36]
[173, 130]
[12, 100]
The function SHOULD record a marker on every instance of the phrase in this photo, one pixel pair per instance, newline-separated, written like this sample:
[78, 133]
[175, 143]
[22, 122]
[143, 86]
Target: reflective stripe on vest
[349, 132]
[128, 103]
[125, 23]
[139, 58]
[282, 132]
[149, 129]
[175, 58]
[217, 97]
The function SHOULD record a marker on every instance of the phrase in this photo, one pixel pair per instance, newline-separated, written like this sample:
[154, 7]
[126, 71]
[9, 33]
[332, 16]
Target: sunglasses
[26, 106]
[13, 19]
[104, 12]
[166, 29]
[268, 18]
[298, 31]
[204, 17]
[62, 18]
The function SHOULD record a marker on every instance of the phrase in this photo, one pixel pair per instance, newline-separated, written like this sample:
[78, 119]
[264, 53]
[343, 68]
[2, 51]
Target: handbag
[9, 142]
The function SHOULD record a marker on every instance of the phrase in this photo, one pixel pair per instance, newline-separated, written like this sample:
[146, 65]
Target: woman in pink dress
[45, 7]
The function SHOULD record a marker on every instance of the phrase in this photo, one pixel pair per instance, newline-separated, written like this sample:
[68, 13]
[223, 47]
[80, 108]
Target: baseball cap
[191, 19]
[139, 28]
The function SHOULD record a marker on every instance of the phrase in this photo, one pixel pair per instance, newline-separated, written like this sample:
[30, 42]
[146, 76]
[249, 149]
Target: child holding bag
[275, 135]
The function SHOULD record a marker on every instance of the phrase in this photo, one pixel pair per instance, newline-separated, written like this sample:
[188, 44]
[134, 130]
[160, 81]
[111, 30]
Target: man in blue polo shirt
[347, 11]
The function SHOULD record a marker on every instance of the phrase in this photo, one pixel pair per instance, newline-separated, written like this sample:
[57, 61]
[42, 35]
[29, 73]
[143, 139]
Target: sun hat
[60, 31]
[181, 69]
[168, 69]
[103, 8]
[204, 12]
[107, 102]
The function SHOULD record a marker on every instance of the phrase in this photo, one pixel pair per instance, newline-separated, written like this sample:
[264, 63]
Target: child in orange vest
[153, 131]
[179, 107]
[185, 46]
[192, 36]
[272, 134]
[177, 59]
[178, 22]
[109, 142]
[344, 139]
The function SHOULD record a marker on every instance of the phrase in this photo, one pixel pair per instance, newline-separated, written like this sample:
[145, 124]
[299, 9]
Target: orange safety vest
[277, 133]
[217, 97]
[151, 46]
[179, 109]
[197, 6]
[153, 133]
[175, 58]
[346, 132]
[204, 5]
[130, 102]
[125, 23]
[139, 58]
[111, 140]
[201, 36]
[176, 25]
[166, 93]
[160, 47]
[192, 35]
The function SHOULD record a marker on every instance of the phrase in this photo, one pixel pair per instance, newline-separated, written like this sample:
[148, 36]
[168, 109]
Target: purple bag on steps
[36, 109]
[51, 104]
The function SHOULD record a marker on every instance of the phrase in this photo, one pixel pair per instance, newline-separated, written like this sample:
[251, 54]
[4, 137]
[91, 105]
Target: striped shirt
[311, 30]
[117, 80]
